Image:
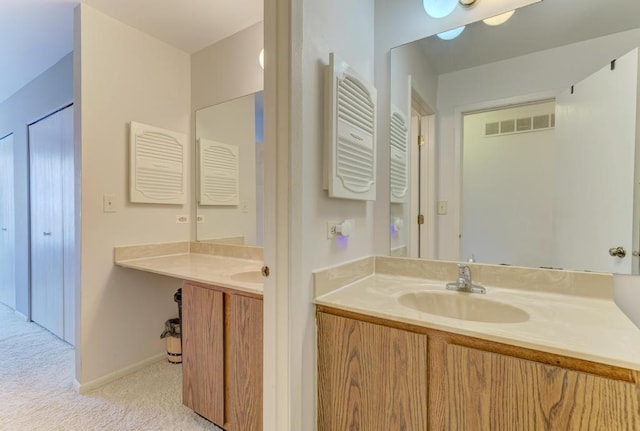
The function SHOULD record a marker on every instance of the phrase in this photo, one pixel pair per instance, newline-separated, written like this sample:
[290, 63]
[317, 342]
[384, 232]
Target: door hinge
[420, 219]
[420, 140]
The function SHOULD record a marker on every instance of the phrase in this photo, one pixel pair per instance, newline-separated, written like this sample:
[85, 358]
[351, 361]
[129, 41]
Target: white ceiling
[544, 25]
[35, 34]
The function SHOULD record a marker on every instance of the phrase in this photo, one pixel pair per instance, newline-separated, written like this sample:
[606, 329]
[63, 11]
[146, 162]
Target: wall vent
[157, 167]
[350, 150]
[219, 173]
[399, 164]
[520, 125]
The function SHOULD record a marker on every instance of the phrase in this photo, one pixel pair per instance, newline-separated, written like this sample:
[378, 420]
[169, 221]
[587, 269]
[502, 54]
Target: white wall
[508, 188]
[539, 75]
[123, 75]
[223, 71]
[50, 91]
[231, 123]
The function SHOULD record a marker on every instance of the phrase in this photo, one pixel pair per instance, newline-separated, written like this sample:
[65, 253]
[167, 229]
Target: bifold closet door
[48, 140]
[7, 224]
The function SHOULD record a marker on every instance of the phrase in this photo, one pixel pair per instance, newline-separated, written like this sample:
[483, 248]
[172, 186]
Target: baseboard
[83, 388]
[21, 316]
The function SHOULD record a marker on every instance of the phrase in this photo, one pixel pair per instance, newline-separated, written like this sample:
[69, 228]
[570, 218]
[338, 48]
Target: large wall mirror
[529, 133]
[229, 175]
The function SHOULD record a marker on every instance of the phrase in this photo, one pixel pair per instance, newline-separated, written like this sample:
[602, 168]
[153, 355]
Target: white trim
[83, 388]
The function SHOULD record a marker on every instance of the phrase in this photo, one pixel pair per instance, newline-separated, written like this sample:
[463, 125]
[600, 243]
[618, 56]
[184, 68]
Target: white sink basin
[463, 306]
[248, 277]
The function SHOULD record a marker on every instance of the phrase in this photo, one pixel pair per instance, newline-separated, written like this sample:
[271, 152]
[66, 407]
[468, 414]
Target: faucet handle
[464, 270]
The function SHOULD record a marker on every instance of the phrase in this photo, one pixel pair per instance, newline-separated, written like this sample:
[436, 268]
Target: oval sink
[248, 277]
[463, 306]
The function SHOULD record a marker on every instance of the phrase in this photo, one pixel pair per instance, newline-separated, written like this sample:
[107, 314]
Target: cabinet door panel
[498, 392]
[370, 377]
[244, 363]
[203, 352]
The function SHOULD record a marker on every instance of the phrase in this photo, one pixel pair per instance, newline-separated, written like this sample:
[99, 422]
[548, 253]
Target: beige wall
[123, 75]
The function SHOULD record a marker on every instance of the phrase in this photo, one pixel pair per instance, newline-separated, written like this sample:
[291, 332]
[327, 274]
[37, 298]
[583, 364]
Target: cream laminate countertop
[582, 327]
[202, 268]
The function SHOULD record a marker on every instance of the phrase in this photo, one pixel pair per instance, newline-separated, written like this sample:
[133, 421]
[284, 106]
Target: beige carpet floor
[36, 389]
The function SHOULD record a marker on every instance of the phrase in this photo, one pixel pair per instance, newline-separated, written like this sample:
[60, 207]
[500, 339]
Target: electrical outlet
[200, 218]
[331, 229]
[182, 219]
[108, 204]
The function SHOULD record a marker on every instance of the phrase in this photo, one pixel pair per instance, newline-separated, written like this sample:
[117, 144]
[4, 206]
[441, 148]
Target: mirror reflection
[528, 154]
[229, 177]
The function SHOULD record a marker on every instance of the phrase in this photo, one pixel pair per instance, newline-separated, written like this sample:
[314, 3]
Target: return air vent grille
[399, 158]
[219, 173]
[157, 167]
[520, 125]
[350, 155]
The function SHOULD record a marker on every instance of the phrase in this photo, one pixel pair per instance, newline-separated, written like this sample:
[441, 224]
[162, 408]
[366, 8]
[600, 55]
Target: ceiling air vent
[507, 126]
[492, 128]
[523, 124]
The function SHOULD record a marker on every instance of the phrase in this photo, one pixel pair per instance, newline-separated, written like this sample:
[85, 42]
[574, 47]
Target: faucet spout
[464, 283]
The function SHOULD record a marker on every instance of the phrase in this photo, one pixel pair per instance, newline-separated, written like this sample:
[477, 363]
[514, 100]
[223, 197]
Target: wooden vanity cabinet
[375, 374]
[370, 377]
[222, 355]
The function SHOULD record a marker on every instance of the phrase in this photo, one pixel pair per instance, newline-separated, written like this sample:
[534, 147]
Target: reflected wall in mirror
[546, 177]
[230, 179]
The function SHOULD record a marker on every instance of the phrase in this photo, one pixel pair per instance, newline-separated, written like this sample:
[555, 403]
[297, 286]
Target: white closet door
[596, 132]
[47, 140]
[7, 224]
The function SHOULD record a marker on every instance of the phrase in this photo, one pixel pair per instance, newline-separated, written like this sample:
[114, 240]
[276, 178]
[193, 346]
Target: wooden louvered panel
[219, 173]
[158, 158]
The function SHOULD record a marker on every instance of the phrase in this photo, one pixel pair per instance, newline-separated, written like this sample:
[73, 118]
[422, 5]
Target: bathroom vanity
[559, 355]
[222, 325]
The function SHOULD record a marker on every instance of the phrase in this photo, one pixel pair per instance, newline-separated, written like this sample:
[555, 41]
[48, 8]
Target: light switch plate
[108, 203]
[442, 207]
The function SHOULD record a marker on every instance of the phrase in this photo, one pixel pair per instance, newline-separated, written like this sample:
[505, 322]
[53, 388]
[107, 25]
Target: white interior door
[595, 164]
[48, 139]
[7, 224]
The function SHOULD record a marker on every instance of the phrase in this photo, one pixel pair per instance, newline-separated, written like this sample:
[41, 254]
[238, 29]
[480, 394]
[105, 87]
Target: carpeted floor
[36, 389]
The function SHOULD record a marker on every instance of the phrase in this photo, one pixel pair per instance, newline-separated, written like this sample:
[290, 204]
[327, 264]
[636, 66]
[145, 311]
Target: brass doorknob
[618, 252]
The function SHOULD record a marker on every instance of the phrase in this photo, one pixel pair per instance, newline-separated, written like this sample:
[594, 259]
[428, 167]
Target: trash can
[174, 340]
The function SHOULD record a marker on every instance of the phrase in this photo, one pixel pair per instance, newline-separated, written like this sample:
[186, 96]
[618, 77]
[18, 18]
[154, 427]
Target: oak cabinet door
[203, 351]
[370, 377]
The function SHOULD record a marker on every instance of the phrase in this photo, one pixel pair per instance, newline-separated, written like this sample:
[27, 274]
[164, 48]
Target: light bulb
[439, 8]
[451, 34]
[261, 58]
[499, 19]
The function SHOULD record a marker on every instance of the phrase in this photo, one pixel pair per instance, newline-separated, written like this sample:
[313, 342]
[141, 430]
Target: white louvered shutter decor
[219, 173]
[399, 165]
[157, 165]
[350, 152]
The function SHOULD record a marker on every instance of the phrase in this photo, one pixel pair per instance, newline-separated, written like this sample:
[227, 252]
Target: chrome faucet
[464, 283]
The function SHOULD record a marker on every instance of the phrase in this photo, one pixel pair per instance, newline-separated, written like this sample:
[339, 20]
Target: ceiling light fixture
[451, 34]
[261, 58]
[443, 8]
[439, 8]
[499, 19]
